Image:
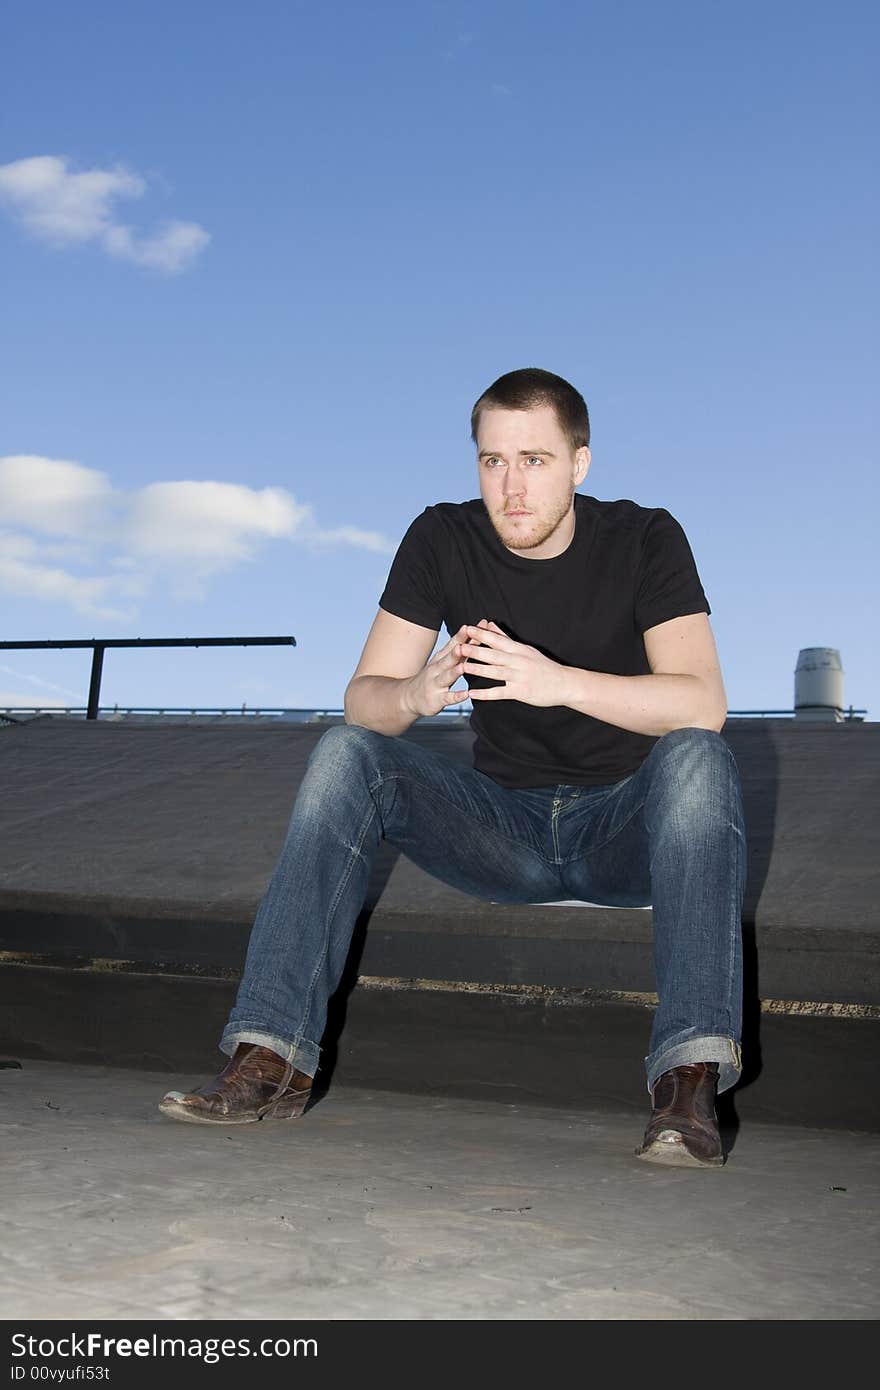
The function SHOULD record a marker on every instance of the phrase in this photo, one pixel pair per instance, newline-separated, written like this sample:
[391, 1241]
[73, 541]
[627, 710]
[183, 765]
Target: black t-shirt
[626, 569]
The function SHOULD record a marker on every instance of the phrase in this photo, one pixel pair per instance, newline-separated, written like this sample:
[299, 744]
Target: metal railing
[14, 713]
[459, 714]
[856, 715]
[99, 645]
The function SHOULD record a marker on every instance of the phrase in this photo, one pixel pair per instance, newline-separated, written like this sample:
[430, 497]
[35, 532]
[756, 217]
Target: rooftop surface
[380, 1206]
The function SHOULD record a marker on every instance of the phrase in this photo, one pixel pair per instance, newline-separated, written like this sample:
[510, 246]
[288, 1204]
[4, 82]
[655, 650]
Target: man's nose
[514, 483]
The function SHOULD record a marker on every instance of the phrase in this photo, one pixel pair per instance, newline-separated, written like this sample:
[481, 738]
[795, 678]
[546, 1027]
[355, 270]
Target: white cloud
[352, 535]
[176, 245]
[64, 208]
[58, 516]
[24, 572]
[54, 496]
[210, 525]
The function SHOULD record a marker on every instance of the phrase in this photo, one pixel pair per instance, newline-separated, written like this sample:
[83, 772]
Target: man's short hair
[530, 387]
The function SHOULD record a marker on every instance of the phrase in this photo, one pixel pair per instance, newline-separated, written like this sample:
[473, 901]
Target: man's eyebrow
[523, 453]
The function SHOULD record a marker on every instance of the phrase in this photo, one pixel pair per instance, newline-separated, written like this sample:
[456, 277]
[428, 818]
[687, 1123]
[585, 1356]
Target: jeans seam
[594, 849]
[465, 814]
[736, 844]
[337, 897]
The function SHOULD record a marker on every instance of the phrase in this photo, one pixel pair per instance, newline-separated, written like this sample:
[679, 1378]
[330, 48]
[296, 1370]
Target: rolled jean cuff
[303, 1055]
[703, 1048]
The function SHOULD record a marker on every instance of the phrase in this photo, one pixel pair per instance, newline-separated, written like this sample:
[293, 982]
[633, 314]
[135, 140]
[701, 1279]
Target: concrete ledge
[575, 1050]
[148, 844]
[444, 939]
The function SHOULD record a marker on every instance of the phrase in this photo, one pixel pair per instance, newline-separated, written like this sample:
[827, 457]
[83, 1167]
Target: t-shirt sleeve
[669, 585]
[413, 590]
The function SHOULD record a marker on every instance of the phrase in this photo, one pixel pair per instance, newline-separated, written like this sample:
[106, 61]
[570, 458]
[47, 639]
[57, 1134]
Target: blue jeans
[670, 835]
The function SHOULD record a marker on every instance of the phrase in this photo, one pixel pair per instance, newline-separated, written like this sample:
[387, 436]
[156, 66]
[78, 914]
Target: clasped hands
[483, 649]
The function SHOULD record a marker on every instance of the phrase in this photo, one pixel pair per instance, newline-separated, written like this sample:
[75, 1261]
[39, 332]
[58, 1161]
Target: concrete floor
[380, 1206]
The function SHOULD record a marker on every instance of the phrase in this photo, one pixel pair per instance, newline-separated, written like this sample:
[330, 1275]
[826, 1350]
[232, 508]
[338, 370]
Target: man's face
[528, 474]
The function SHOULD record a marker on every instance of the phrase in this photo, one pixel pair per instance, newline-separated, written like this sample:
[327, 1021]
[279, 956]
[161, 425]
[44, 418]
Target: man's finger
[487, 656]
[450, 645]
[445, 668]
[495, 692]
[490, 638]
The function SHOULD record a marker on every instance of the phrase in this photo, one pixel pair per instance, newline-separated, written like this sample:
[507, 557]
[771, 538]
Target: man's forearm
[651, 704]
[378, 703]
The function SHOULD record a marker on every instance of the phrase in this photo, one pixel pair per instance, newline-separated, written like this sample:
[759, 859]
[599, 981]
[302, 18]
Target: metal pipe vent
[818, 684]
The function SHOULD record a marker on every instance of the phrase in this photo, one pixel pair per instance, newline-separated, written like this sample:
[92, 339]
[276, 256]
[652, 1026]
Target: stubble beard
[530, 532]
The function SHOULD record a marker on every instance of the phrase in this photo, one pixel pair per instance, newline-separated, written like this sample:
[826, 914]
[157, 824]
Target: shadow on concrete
[758, 763]
[337, 1009]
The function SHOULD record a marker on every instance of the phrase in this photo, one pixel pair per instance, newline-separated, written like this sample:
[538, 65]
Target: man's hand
[528, 675]
[429, 691]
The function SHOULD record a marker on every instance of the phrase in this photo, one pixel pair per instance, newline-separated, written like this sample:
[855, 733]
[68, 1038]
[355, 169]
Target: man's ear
[582, 459]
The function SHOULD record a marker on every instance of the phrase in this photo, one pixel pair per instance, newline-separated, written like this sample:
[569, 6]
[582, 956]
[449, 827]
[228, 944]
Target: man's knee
[697, 768]
[346, 743]
[695, 747]
[343, 755]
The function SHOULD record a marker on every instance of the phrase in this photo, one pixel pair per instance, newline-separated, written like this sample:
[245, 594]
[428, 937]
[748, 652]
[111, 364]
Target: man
[582, 630]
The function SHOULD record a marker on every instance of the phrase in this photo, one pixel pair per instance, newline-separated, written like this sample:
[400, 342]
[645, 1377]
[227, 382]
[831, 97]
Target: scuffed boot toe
[683, 1131]
[256, 1085]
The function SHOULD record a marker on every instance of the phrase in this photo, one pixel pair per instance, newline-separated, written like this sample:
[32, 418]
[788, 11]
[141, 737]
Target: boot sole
[176, 1110]
[670, 1150]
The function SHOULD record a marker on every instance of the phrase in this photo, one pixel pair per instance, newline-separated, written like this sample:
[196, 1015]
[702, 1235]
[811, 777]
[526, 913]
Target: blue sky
[259, 260]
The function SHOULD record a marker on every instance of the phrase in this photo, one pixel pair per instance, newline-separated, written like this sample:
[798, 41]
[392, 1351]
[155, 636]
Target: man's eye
[490, 463]
[536, 458]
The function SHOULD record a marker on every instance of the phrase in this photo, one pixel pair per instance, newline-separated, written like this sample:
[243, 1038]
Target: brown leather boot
[683, 1130]
[256, 1085]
